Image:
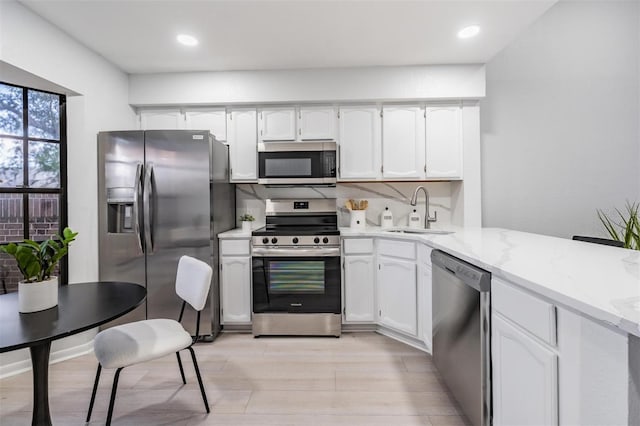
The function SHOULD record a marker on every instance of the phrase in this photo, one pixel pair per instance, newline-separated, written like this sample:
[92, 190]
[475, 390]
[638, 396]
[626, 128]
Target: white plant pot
[37, 296]
[246, 226]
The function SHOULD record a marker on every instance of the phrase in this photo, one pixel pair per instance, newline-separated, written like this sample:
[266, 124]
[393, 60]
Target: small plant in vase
[627, 229]
[246, 220]
[36, 262]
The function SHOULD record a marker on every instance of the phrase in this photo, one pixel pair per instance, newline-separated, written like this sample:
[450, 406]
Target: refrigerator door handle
[136, 206]
[148, 198]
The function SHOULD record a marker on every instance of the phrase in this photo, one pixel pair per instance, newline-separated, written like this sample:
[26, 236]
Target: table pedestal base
[40, 365]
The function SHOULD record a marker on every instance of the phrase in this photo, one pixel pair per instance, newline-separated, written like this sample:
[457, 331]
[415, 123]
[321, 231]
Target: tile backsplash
[250, 198]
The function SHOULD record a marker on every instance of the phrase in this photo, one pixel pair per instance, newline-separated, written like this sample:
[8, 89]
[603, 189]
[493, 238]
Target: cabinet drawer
[234, 248]
[535, 315]
[357, 245]
[401, 249]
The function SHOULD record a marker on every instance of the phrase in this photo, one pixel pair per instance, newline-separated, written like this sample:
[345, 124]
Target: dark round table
[80, 307]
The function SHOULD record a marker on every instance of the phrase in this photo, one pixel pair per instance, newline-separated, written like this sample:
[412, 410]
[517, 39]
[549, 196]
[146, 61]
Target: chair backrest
[193, 281]
[595, 240]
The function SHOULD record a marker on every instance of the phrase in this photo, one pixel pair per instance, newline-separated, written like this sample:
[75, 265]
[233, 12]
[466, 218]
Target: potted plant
[627, 230]
[246, 220]
[36, 261]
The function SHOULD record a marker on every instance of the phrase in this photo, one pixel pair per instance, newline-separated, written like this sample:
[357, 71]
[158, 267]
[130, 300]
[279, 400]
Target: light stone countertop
[602, 282]
[235, 234]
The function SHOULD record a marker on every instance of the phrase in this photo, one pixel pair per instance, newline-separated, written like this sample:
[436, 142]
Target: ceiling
[140, 36]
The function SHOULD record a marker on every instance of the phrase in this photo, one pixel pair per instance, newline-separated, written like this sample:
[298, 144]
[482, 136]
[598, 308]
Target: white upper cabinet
[316, 123]
[403, 142]
[242, 140]
[277, 124]
[161, 120]
[444, 142]
[213, 120]
[359, 143]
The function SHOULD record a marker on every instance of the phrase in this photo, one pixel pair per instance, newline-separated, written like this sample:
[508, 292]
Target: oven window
[287, 167]
[296, 276]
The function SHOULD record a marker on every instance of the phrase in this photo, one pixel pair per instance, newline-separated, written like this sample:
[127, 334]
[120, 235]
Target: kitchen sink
[420, 231]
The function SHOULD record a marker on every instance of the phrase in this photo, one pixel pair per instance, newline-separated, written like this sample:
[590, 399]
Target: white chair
[133, 343]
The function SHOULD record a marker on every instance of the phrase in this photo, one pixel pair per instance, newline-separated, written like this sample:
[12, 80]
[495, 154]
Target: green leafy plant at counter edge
[629, 226]
[247, 218]
[36, 261]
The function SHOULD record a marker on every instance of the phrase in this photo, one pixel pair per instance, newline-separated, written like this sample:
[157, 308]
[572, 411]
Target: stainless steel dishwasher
[461, 333]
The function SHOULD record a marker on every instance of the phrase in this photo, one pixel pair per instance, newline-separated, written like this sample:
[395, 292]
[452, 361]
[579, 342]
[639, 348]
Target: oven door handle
[296, 252]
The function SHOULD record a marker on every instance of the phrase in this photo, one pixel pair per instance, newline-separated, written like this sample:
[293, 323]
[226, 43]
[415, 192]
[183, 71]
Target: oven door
[296, 166]
[296, 284]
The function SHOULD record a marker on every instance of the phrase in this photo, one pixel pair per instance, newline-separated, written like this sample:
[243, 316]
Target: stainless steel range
[296, 269]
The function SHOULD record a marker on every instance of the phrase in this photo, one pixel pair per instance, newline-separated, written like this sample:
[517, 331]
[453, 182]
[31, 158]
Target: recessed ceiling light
[468, 32]
[187, 40]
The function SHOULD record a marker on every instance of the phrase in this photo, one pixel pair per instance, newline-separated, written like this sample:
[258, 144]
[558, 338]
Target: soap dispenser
[386, 219]
[414, 220]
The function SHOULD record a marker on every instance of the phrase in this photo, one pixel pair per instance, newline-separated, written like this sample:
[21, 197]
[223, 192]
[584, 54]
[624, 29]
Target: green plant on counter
[627, 229]
[36, 261]
[247, 218]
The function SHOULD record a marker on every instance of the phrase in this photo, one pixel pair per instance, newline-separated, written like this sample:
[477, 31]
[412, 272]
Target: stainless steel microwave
[297, 163]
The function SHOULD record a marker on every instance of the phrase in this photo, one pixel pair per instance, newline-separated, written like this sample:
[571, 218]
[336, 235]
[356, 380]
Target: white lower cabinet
[397, 296]
[235, 289]
[359, 288]
[525, 378]
[425, 289]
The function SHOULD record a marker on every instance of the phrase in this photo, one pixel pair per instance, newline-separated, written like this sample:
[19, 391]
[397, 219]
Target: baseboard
[411, 341]
[21, 366]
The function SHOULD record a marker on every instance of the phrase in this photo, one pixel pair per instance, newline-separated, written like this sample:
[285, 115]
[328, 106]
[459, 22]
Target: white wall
[31, 44]
[320, 85]
[560, 133]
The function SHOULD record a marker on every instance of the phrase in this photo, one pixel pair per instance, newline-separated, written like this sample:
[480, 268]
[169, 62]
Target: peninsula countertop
[602, 282]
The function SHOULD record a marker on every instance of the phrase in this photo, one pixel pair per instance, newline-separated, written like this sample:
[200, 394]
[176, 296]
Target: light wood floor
[358, 379]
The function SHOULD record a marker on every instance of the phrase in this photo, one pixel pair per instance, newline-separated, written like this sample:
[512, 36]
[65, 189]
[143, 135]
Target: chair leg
[184, 380]
[113, 395]
[93, 394]
[195, 364]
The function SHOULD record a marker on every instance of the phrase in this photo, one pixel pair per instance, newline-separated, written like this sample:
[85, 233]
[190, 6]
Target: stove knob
[316, 240]
[325, 240]
[274, 240]
[295, 240]
[265, 240]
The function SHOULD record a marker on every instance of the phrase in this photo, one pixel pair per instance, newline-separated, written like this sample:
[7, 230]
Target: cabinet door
[397, 295]
[243, 145]
[161, 120]
[403, 138]
[235, 289]
[358, 288]
[359, 143]
[444, 142]
[316, 124]
[525, 378]
[278, 124]
[213, 120]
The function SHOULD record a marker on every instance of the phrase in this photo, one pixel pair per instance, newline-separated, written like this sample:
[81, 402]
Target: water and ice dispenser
[120, 210]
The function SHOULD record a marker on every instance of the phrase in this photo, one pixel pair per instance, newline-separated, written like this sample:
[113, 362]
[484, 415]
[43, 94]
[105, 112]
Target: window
[32, 172]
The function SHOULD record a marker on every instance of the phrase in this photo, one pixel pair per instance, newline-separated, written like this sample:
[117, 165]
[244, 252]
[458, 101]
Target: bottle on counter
[414, 220]
[386, 218]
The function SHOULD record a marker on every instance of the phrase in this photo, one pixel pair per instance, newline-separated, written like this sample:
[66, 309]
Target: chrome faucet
[427, 218]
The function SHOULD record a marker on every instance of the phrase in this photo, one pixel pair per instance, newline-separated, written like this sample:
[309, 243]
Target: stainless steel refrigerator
[162, 194]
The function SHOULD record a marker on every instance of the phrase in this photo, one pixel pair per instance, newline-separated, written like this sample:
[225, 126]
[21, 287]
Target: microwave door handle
[136, 206]
[148, 199]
